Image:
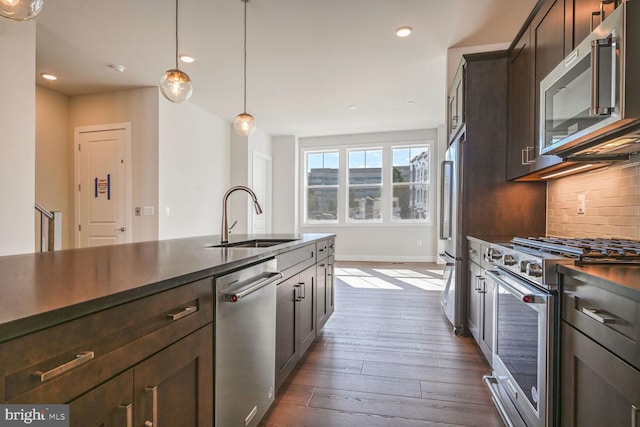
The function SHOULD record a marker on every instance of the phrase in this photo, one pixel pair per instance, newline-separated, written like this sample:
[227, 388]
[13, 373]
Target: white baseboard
[373, 258]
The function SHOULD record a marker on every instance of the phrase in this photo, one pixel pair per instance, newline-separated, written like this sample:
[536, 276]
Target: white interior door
[261, 224]
[103, 181]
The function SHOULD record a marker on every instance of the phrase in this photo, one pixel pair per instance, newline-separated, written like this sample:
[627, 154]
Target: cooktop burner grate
[586, 250]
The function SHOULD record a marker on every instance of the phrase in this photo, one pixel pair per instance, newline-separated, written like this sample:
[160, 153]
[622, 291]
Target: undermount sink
[256, 243]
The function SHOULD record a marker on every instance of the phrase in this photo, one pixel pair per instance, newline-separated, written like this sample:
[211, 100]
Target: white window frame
[306, 187]
[427, 184]
[347, 172]
[387, 184]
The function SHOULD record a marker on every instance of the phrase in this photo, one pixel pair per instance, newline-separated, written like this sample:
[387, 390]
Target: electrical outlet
[581, 204]
[419, 243]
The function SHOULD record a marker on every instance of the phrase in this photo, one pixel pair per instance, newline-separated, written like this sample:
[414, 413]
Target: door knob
[123, 229]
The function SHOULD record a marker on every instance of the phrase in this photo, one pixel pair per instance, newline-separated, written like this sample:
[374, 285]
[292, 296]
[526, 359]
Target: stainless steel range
[524, 384]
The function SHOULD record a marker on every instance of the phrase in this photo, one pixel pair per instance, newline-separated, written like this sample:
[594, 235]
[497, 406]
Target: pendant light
[245, 124]
[20, 10]
[175, 85]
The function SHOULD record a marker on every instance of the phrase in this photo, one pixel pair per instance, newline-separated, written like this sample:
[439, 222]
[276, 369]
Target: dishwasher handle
[253, 287]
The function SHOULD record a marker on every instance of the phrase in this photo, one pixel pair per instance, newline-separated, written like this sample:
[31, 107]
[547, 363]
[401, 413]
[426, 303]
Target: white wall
[194, 169]
[242, 151]
[17, 136]
[140, 107]
[378, 242]
[54, 159]
[285, 194]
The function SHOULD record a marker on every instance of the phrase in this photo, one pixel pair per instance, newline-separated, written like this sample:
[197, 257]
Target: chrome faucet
[225, 226]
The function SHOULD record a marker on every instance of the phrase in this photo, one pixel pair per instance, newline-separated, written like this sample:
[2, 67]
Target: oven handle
[492, 382]
[529, 297]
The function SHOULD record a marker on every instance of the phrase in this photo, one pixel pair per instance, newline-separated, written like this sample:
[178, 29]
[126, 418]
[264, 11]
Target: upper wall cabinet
[581, 17]
[552, 31]
[455, 110]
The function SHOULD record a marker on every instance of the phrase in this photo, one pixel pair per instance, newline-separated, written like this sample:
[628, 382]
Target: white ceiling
[307, 60]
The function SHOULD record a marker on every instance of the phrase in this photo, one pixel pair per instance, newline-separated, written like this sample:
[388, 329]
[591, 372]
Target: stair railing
[50, 229]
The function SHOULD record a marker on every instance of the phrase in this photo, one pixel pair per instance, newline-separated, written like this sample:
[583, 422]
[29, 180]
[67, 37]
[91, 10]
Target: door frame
[128, 196]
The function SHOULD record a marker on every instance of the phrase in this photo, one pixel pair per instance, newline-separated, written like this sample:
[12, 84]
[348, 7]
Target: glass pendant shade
[244, 124]
[20, 10]
[175, 85]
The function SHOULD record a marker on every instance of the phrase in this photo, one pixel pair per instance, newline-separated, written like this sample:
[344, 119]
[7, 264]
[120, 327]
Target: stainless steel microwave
[590, 103]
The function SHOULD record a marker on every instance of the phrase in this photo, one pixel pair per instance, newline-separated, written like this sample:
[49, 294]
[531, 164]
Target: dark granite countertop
[44, 289]
[621, 279]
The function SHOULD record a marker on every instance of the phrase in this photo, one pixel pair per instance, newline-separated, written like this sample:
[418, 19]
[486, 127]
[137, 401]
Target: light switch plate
[147, 210]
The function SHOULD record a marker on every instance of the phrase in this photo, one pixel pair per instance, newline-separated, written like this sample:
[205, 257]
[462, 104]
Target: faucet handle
[233, 225]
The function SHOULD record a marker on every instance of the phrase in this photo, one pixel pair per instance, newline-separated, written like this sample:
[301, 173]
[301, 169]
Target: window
[388, 183]
[410, 183]
[365, 185]
[322, 178]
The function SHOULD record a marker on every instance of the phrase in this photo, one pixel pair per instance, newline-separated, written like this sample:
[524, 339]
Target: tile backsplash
[611, 203]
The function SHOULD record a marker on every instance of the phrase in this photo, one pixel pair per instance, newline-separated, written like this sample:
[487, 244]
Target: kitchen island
[82, 326]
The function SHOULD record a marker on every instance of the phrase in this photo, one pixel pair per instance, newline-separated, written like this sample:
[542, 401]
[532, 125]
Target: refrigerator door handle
[446, 201]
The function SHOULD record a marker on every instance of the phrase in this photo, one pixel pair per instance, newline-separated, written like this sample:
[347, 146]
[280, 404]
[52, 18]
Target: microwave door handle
[596, 109]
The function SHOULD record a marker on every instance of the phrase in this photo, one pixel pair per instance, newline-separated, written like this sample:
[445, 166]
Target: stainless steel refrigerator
[450, 233]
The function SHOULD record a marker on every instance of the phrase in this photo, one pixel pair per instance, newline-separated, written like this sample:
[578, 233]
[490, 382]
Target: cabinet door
[473, 318]
[307, 302]
[321, 294]
[330, 286]
[598, 388]
[109, 405]
[456, 103]
[487, 330]
[520, 145]
[287, 328]
[547, 38]
[581, 17]
[175, 386]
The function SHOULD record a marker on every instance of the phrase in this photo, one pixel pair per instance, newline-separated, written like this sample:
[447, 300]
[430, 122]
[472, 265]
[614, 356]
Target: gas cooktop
[585, 250]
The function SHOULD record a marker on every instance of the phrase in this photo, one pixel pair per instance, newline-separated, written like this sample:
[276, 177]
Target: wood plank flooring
[387, 357]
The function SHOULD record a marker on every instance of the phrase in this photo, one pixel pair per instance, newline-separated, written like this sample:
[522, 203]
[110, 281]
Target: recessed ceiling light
[404, 31]
[410, 102]
[351, 107]
[187, 59]
[48, 76]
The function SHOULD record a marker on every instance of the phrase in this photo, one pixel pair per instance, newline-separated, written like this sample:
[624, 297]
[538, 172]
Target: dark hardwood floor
[387, 357]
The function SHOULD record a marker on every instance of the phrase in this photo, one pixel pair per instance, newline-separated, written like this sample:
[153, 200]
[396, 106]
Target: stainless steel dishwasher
[245, 344]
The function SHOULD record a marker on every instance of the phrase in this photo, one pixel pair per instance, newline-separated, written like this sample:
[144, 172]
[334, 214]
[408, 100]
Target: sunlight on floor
[428, 280]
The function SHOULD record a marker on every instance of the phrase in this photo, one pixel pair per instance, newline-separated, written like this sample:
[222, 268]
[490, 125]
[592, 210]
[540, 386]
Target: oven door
[523, 349]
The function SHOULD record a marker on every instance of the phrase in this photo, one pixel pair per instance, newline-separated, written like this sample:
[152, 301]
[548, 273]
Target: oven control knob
[495, 254]
[523, 266]
[534, 269]
[509, 260]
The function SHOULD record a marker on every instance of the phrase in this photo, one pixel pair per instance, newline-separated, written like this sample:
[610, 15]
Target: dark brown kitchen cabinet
[456, 103]
[99, 363]
[482, 289]
[520, 147]
[295, 321]
[173, 387]
[581, 17]
[598, 388]
[324, 285]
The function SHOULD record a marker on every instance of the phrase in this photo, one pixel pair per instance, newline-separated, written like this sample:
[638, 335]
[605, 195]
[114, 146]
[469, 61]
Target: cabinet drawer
[300, 258]
[325, 248]
[606, 317]
[55, 365]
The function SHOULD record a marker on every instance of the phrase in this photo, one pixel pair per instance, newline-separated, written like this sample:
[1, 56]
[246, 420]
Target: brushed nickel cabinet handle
[185, 312]
[594, 314]
[634, 416]
[80, 359]
[153, 391]
[126, 410]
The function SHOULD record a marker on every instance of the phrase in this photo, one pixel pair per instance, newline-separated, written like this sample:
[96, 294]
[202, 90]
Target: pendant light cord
[245, 55]
[176, 34]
